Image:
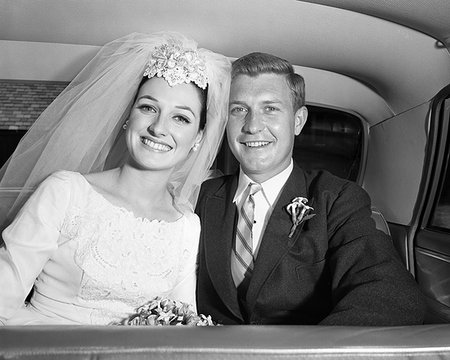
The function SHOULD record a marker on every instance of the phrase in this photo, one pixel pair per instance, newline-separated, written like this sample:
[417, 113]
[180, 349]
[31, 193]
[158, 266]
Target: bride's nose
[158, 127]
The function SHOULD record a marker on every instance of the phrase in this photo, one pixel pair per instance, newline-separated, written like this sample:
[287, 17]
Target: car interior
[377, 77]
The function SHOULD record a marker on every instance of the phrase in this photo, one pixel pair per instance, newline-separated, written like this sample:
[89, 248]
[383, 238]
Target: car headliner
[403, 67]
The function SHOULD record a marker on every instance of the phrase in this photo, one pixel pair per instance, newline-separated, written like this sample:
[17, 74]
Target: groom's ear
[300, 117]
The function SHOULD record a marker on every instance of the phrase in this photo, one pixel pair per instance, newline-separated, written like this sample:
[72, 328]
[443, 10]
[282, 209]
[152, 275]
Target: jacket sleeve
[370, 285]
[30, 241]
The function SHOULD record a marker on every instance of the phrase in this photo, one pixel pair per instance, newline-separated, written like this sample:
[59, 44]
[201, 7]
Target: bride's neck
[141, 184]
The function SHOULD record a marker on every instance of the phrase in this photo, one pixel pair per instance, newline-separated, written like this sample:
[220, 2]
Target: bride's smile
[155, 145]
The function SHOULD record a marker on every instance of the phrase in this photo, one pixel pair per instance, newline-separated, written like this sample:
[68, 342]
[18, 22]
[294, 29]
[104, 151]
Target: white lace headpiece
[177, 65]
[82, 129]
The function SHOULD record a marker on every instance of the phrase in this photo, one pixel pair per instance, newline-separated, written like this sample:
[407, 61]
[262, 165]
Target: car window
[8, 142]
[440, 215]
[21, 103]
[331, 140]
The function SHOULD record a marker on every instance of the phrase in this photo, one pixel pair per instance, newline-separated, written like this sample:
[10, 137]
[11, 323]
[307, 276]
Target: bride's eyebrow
[187, 108]
[181, 107]
[147, 97]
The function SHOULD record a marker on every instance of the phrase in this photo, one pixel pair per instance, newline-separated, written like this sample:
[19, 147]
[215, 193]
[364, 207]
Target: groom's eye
[238, 110]
[270, 108]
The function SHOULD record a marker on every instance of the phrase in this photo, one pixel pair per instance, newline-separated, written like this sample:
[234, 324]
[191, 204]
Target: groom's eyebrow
[237, 102]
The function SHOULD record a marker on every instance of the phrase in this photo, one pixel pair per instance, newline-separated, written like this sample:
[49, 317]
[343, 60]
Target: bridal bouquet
[160, 311]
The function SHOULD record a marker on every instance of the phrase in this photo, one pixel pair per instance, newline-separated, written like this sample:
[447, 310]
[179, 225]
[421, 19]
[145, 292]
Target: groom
[280, 245]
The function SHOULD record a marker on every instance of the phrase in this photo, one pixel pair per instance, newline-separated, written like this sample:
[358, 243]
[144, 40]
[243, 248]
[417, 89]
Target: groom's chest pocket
[294, 280]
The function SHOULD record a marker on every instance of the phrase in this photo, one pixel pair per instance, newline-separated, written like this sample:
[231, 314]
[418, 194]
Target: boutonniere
[300, 212]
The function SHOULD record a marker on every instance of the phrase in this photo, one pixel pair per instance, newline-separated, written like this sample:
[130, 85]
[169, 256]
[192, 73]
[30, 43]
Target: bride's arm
[185, 288]
[30, 241]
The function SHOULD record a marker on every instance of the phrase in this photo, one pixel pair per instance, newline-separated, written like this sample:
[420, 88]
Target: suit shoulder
[212, 185]
[323, 181]
[324, 178]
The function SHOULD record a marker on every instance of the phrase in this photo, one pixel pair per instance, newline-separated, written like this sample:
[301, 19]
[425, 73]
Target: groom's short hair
[257, 63]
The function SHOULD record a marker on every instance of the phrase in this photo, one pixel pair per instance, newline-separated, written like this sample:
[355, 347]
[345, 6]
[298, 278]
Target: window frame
[442, 167]
[436, 153]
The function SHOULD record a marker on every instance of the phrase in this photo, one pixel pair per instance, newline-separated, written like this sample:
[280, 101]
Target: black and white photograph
[235, 179]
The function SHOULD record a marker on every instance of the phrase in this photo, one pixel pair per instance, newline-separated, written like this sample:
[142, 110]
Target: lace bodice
[120, 261]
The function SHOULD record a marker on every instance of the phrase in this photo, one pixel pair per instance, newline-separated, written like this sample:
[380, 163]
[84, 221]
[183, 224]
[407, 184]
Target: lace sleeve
[30, 240]
[187, 277]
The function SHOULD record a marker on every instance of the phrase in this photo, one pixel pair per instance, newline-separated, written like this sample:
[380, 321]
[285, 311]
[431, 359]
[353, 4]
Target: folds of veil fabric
[82, 129]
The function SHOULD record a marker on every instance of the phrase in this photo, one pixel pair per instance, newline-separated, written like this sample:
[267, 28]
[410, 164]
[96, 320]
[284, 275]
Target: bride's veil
[82, 129]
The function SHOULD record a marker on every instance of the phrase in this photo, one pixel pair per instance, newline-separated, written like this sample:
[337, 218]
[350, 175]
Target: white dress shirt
[264, 200]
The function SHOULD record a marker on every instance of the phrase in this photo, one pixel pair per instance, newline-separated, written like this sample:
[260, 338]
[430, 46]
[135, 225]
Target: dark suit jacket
[336, 270]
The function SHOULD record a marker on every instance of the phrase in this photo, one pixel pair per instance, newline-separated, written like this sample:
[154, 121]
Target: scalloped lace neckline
[126, 211]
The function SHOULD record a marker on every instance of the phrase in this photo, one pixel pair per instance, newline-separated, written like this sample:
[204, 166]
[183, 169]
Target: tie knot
[254, 188]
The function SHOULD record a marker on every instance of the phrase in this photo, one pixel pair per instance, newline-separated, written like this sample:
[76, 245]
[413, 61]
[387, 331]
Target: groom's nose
[254, 122]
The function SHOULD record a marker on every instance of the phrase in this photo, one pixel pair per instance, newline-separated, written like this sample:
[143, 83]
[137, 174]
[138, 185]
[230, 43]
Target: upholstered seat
[380, 221]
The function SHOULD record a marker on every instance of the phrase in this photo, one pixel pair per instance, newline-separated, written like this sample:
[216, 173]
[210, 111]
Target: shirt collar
[271, 187]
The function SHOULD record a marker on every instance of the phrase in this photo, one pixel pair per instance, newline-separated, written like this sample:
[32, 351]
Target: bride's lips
[155, 145]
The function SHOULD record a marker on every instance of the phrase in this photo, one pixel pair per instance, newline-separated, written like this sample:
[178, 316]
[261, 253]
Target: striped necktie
[242, 256]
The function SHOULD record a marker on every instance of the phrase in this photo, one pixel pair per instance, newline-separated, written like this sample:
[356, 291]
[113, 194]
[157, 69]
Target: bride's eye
[182, 119]
[147, 108]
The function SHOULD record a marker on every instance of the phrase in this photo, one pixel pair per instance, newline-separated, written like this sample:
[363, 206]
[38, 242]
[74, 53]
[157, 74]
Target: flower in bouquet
[161, 311]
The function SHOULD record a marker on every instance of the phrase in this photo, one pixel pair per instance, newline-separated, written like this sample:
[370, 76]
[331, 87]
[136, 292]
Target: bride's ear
[198, 140]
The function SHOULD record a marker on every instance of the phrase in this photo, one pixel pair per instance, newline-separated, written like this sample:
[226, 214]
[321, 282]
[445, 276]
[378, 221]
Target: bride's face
[164, 124]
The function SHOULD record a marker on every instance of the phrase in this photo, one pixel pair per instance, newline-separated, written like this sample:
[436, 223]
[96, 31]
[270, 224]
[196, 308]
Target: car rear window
[331, 140]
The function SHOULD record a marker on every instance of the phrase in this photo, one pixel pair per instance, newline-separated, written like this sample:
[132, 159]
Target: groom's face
[262, 124]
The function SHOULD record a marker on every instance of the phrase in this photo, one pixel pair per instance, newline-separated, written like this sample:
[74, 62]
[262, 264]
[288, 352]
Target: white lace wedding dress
[91, 262]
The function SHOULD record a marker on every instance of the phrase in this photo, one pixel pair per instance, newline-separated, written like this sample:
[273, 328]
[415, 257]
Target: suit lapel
[218, 228]
[276, 242]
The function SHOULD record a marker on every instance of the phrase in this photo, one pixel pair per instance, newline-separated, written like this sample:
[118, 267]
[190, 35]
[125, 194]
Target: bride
[117, 160]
